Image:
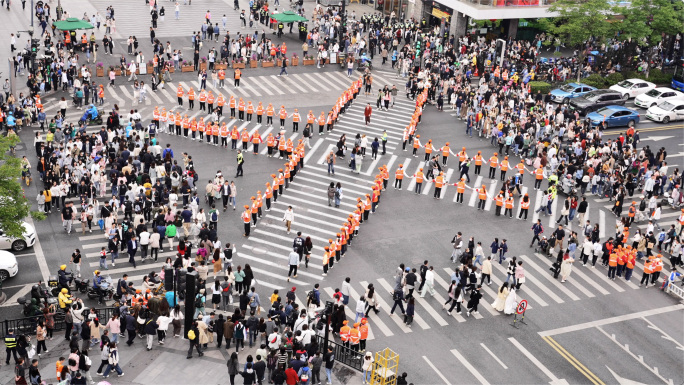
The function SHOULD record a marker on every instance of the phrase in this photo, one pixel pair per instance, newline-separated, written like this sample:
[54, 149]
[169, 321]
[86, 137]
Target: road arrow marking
[657, 138]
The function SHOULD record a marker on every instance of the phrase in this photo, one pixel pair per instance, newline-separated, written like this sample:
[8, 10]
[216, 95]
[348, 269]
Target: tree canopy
[14, 206]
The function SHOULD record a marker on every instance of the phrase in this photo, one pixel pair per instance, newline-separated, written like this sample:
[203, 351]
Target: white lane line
[534, 360]
[436, 370]
[474, 195]
[493, 356]
[470, 367]
[375, 321]
[396, 318]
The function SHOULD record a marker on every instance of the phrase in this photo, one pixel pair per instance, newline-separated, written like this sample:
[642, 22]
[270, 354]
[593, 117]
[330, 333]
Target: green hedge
[544, 87]
[614, 78]
[595, 80]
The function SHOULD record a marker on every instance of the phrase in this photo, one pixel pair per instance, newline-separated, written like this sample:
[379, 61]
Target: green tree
[14, 206]
[578, 21]
[646, 20]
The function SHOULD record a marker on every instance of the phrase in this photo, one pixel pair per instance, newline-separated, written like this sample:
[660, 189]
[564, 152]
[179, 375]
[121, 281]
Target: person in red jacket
[292, 378]
[367, 113]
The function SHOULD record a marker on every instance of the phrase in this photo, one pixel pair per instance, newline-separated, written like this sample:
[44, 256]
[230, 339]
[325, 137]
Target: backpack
[288, 344]
[304, 378]
[214, 216]
[396, 296]
[310, 297]
[198, 301]
[642, 205]
[191, 335]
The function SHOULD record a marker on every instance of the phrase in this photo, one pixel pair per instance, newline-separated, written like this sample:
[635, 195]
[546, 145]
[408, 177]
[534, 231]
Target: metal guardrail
[344, 355]
[676, 290]
[28, 325]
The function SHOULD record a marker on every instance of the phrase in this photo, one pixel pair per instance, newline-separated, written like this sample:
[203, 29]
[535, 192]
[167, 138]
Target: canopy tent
[288, 17]
[72, 24]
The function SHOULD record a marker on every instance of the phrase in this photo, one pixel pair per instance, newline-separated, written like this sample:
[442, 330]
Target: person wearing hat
[493, 165]
[398, 176]
[366, 366]
[354, 337]
[246, 219]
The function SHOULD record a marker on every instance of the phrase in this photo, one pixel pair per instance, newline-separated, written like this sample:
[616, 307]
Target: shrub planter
[117, 72]
[203, 66]
[309, 62]
[295, 61]
[238, 65]
[221, 66]
[253, 64]
[99, 72]
[279, 62]
[266, 64]
[187, 69]
[150, 69]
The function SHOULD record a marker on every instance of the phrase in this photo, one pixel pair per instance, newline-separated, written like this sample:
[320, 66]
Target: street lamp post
[32, 12]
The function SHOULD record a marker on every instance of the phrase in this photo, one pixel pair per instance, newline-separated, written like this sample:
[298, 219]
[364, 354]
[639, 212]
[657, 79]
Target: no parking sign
[520, 309]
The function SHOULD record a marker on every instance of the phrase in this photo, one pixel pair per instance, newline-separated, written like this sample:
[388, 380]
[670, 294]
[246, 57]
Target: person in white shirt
[429, 283]
[144, 239]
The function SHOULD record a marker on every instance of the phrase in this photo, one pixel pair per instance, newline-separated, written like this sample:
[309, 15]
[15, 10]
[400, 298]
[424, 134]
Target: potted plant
[203, 63]
[253, 62]
[295, 59]
[267, 62]
[99, 70]
[150, 66]
[309, 60]
[239, 63]
[221, 65]
[187, 66]
[117, 70]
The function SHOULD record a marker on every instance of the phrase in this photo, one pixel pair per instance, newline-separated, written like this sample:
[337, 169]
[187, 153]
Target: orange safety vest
[238, 73]
[493, 161]
[525, 205]
[648, 268]
[478, 160]
[283, 113]
[509, 203]
[504, 165]
[363, 332]
[612, 260]
[245, 136]
[246, 216]
[399, 174]
[180, 92]
[482, 194]
[499, 200]
[354, 336]
[539, 174]
[439, 181]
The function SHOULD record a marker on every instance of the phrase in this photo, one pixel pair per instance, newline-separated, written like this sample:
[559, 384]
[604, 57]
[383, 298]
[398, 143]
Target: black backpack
[198, 301]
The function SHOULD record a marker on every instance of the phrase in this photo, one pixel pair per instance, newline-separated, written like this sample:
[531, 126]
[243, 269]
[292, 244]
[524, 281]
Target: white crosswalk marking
[474, 195]
[374, 321]
[419, 320]
[530, 278]
[492, 193]
[386, 307]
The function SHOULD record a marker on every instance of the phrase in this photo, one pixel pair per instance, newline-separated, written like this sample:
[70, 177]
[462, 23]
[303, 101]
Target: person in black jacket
[151, 331]
[218, 328]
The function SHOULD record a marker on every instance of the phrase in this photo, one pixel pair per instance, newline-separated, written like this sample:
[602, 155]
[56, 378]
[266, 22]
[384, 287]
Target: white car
[657, 96]
[17, 244]
[667, 111]
[632, 88]
[8, 265]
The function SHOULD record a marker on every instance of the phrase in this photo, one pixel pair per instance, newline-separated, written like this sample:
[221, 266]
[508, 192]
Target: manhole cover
[259, 250]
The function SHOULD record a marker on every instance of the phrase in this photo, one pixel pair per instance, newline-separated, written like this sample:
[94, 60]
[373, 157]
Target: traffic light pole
[328, 314]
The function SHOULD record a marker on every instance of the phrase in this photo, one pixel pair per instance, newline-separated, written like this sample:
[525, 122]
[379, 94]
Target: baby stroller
[542, 246]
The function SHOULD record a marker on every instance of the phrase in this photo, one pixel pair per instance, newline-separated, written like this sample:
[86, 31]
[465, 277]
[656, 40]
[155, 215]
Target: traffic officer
[11, 346]
[240, 162]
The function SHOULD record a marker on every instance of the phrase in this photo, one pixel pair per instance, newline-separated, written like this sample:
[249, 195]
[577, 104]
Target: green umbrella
[72, 24]
[288, 17]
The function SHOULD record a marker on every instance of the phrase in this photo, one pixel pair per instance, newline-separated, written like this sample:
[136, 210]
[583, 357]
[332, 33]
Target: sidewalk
[164, 364]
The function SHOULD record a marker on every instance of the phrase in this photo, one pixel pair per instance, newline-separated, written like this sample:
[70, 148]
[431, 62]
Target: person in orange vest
[630, 263]
[223, 132]
[270, 111]
[222, 78]
[282, 114]
[326, 260]
[244, 137]
[241, 110]
[250, 111]
[191, 98]
[178, 123]
[538, 177]
[657, 268]
[295, 120]
[186, 125]
[215, 132]
[509, 206]
[256, 139]
[236, 76]
[355, 337]
[210, 102]
[363, 333]
[234, 136]
[612, 266]
[220, 102]
[416, 146]
[524, 206]
[246, 217]
[344, 334]
[460, 189]
[648, 270]
[504, 167]
[499, 200]
[179, 94]
[478, 162]
[268, 194]
[631, 213]
[493, 165]
[203, 100]
[232, 103]
[398, 176]
[482, 195]
[254, 210]
[321, 123]
[260, 112]
[439, 183]
[428, 150]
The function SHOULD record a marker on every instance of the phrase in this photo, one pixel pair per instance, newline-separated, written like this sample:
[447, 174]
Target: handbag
[100, 222]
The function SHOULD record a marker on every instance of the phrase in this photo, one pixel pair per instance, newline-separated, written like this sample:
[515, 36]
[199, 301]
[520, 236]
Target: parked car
[564, 93]
[596, 99]
[632, 88]
[614, 116]
[656, 96]
[8, 265]
[667, 111]
[17, 244]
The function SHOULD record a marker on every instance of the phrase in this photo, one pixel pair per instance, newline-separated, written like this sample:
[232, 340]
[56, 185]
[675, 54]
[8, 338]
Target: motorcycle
[106, 286]
[88, 121]
[54, 285]
[42, 297]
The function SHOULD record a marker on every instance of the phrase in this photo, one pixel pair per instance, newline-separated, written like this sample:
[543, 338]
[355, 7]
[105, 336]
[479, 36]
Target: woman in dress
[566, 267]
[511, 302]
[500, 301]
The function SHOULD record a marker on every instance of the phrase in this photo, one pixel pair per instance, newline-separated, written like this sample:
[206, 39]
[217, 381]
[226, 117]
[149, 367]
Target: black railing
[343, 355]
[28, 325]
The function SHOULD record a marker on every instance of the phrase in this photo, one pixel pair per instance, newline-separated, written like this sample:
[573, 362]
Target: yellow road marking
[573, 361]
[649, 129]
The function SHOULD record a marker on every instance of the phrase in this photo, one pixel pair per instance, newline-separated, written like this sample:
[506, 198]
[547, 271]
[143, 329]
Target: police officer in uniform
[280, 29]
[11, 346]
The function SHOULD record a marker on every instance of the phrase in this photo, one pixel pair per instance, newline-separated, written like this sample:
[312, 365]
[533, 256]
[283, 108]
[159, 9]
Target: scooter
[106, 286]
[42, 295]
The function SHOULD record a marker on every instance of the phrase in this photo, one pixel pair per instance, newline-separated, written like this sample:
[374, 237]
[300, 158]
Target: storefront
[437, 14]
[399, 7]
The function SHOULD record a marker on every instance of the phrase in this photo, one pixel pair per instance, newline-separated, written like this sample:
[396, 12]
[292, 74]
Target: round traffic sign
[522, 305]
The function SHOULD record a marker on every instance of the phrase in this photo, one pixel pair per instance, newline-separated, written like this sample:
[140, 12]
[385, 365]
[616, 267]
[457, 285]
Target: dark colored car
[594, 100]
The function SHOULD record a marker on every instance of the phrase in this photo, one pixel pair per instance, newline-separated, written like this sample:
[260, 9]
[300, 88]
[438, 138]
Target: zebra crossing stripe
[277, 265]
[352, 179]
[492, 190]
[371, 167]
[295, 84]
[272, 265]
[412, 184]
[279, 246]
[372, 322]
[284, 238]
[474, 195]
[316, 81]
[305, 204]
[537, 205]
[327, 183]
[602, 227]
[321, 160]
[312, 150]
[153, 94]
[554, 212]
[419, 320]
[383, 304]
[559, 287]
[441, 282]
[581, 274]
[304, 82]
[446, 183]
